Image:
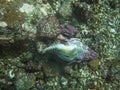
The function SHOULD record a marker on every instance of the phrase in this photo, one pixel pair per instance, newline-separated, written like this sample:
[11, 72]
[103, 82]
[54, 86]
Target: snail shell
[71, 49]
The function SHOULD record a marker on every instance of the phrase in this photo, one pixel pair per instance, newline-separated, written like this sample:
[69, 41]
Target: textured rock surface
[48, 27]
[68, 30]
[24, 81]
[24, 23]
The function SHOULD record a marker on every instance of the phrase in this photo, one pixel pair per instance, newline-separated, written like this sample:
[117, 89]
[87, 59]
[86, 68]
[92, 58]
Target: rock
[24, 81]
[48, 27]
[68, 30]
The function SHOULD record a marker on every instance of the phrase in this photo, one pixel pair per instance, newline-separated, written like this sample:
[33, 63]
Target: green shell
[70, 50]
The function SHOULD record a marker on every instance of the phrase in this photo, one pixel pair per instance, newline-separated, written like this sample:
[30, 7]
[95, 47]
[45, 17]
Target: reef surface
[27, 27]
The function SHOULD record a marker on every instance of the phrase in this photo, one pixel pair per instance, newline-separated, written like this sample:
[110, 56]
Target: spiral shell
[71, 49]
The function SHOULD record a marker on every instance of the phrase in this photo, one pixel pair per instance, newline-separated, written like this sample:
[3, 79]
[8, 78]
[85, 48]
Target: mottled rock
[66, 10]
[24, 81]
[48, 27]
[50, 69]
[94, 64]
[68, 30]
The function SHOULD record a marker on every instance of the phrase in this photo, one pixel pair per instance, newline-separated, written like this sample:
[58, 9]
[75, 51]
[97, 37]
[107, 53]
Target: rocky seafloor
[29, 26]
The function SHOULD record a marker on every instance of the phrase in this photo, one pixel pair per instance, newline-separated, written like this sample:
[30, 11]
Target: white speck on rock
[112, 30]
[44, 11]
[3, 24]
[11, 74]
[10, 0]
[27, 8]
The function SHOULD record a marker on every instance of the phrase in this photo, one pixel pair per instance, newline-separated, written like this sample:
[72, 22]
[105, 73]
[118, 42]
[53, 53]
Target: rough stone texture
[98, 26]
[24, 81]
[48, 27]
[68, 30]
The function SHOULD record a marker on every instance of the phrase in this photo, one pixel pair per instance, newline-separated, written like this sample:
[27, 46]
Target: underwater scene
[59, 44]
